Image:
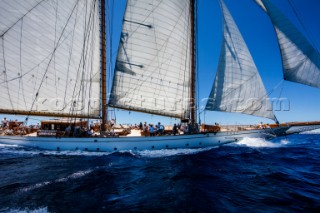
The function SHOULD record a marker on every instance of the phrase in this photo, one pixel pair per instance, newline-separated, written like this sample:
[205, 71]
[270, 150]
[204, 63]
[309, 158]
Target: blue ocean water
[253, 175]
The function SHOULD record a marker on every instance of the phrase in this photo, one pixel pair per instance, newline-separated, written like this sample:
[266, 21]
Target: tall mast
[193, 67]
[103, 67]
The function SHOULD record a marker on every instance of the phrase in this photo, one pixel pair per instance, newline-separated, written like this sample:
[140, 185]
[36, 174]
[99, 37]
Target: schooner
[53, 57]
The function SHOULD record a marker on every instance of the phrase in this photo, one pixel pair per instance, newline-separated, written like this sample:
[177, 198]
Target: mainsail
[50, 57]
[300, 60]
[153, 66]
[237, 86]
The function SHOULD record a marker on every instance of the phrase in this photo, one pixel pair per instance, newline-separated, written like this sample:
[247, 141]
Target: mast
[193, 67]
[103, 68]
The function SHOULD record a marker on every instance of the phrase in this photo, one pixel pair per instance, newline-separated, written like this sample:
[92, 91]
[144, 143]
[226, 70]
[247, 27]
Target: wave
[262, 143]
[75, 153]
[15, 149]
[38, 210]
[20, 150]
[73, 176]
[7, 145]
[171, 152]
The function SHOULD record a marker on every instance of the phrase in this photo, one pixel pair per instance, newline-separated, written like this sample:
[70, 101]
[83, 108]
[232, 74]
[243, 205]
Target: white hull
[299, 129]
[136, 143]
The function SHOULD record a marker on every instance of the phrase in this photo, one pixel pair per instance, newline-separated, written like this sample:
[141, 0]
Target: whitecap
[35, 186]
[7, 145]
[73, 176]
[27, 210]
[260, 142]
[171, 152]
[75, 153]
[15, 149]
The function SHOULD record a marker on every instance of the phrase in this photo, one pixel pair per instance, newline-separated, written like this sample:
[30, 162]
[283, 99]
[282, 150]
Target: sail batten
[153, 66]
[237, 86]
[50, 57]
[300, 60]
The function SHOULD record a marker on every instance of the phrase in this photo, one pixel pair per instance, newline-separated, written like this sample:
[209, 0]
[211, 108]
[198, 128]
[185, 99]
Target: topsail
[300, 60]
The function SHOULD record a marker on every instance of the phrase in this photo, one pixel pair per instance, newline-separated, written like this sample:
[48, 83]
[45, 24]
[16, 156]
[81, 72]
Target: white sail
[300, 60]
[237, 86]
[50, 57]
[153, 67]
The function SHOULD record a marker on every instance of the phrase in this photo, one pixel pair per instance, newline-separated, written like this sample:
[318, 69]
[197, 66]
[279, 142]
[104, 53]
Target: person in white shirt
[4, 122]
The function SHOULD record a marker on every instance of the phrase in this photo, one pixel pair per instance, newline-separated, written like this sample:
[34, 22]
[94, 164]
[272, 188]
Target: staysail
[153, 66]
[50, 57]
[300, 60]
[237, 86]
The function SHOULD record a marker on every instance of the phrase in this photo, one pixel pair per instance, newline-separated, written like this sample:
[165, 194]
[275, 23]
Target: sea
[253, 175]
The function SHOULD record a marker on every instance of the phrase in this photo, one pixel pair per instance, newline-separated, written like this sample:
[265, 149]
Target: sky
[301, 102]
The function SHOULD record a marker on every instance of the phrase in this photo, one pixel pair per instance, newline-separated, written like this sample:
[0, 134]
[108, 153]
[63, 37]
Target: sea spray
[259, 142]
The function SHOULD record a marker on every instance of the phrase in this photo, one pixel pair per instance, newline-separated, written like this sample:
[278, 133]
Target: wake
[20, 150]
[171, 152]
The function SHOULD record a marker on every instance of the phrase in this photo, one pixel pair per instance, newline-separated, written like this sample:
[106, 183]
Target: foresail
[237, 86]
[50, 57]
[300, 60]
[153, 67]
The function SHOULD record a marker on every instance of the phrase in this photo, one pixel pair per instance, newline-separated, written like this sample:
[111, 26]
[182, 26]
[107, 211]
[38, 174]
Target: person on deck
[145, 127]
[175, 129]
[68, 131]
[90, 132]
[151, 130]
[91, 125]
[261, 126]
[159, 129]
[4, 122]
[186, 129]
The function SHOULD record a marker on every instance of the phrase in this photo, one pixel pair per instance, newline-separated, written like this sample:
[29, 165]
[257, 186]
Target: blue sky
[301, 102]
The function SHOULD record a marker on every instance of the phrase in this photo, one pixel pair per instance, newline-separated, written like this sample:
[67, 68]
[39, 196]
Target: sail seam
[47, 68]
[21, 18]
[5, 72]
